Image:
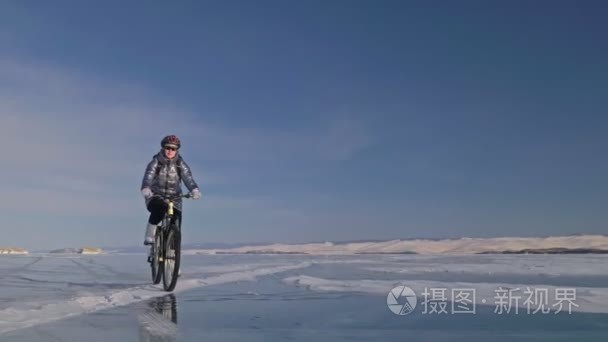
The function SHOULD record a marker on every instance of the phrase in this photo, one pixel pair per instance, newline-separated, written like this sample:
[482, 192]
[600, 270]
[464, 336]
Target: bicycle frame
[170, 208]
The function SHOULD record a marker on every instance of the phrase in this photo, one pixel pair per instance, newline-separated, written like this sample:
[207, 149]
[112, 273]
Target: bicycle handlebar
[174, 197]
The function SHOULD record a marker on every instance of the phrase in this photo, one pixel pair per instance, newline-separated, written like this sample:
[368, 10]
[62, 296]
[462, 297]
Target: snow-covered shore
[83, 250]
[13, 250]
[561, 244]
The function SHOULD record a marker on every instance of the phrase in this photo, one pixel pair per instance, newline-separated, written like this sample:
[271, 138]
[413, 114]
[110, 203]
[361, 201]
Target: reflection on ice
[158, 320]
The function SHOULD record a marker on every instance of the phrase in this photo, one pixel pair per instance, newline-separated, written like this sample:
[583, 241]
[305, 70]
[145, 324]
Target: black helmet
[171, 140]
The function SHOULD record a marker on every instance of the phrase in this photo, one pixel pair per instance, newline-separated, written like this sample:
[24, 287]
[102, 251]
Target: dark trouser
[158, 207]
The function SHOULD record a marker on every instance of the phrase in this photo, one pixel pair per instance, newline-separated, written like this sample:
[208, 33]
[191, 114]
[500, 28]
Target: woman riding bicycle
[162, 179]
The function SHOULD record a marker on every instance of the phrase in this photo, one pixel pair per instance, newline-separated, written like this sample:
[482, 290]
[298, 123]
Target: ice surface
[297, 297]
[588, 299]
[86, 290]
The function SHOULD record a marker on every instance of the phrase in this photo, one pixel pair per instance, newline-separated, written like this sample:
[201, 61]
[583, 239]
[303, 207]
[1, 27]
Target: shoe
[150, 231]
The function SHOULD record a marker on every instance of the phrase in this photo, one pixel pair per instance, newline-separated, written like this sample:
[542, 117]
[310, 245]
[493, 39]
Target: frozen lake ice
[47, 297]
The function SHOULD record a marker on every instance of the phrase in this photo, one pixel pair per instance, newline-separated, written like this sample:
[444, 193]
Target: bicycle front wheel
[156, 256]
[172, 258]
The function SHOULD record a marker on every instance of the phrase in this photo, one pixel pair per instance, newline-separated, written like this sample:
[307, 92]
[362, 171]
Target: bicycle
[165, 252]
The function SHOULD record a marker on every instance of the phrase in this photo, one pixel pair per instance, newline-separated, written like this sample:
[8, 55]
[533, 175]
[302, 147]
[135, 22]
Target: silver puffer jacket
[166, 180]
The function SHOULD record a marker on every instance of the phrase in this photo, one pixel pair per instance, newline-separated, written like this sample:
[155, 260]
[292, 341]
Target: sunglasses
[170, 148]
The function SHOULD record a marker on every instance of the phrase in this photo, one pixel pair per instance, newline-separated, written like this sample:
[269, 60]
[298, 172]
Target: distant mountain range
[573, 244]
[568, 244]
[144, 249]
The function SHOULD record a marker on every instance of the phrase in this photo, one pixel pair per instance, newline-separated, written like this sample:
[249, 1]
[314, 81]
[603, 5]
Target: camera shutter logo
[401, 300]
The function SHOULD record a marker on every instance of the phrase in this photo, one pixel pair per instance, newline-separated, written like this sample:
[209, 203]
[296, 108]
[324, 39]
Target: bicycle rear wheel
[156, 262]
[172, 258]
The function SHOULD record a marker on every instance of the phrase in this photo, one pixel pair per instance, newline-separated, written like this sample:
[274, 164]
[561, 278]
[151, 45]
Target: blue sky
[305, 121]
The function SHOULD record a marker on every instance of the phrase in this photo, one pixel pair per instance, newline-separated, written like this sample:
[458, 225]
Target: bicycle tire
[172, 256]
[156, 264]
